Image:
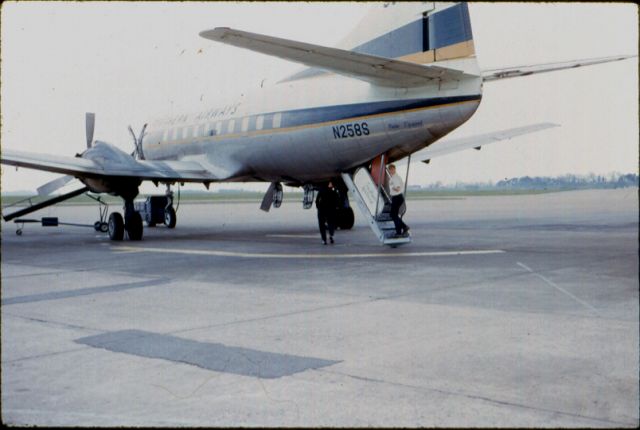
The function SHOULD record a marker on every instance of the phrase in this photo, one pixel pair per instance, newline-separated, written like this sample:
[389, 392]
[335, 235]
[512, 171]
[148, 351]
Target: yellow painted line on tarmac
[388, 254]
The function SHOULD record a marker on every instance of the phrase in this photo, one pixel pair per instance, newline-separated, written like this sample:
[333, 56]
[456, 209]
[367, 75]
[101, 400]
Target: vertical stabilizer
[420, 32]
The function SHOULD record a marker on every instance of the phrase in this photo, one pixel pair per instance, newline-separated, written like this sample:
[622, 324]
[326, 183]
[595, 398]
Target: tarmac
[505, 311]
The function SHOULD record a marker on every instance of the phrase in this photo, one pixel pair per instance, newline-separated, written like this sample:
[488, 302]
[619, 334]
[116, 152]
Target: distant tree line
[564, 182]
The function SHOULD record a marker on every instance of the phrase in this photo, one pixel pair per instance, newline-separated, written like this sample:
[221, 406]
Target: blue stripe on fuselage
[295, 118]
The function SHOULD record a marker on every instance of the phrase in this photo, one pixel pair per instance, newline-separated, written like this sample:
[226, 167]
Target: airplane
[403, 79]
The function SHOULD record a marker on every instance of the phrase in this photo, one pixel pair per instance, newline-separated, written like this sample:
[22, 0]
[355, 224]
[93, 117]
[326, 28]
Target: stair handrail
[382, 170]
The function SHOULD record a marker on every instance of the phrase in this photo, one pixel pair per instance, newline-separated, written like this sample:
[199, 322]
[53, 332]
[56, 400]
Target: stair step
[382, 225]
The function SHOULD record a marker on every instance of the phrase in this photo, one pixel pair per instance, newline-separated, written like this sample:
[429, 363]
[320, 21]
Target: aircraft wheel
[96, 226]
[104, 227]
[346, 219]
[170, 217]
[116, 226]
[134, 226]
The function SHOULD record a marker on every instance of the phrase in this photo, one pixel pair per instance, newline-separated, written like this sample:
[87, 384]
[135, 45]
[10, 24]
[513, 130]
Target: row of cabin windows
[249, 123]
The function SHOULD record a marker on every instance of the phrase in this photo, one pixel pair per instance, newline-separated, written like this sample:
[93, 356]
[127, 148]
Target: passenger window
[260, 122]
[219, 127]
[232, 124]
[277, 118]
[245, 123]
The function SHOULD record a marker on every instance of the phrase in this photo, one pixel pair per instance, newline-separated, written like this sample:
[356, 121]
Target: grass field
[251, 196]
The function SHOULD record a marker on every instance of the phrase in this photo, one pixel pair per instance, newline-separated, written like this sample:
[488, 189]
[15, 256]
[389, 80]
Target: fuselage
[315, 128]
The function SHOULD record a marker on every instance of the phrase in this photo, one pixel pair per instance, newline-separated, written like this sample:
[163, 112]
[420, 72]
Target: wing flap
[376, 70]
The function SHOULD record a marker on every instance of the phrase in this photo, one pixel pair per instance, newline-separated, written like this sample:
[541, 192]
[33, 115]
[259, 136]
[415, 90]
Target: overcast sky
[129, 62]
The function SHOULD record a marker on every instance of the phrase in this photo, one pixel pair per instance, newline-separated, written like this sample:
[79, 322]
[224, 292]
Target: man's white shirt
[396, 185]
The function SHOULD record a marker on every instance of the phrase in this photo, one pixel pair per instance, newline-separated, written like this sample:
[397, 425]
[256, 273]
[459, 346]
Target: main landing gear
[154, 210]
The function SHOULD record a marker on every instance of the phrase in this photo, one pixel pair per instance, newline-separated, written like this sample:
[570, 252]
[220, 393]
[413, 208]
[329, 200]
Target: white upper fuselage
[312, 129]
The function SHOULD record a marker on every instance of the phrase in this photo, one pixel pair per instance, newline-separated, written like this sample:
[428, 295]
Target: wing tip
[215, 33]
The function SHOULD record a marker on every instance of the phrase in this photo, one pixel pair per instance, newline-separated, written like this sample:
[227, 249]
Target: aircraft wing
[377, 70]
[448, 146]
[518, 71]
[179, 171]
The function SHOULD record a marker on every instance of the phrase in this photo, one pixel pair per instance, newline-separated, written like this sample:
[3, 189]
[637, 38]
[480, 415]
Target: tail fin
[420, 32]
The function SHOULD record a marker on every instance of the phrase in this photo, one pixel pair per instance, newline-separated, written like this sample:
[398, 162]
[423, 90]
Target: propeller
[137, 142]
[90, 122]
[51, 186]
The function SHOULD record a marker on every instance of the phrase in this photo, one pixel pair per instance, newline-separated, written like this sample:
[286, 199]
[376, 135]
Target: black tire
[96, 226]
[346, 219]
[134, 226]
[104, 227]
[116, 226]
[170, 217]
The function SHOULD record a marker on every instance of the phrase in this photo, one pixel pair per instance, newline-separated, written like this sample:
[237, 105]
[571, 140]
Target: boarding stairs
[375, 205]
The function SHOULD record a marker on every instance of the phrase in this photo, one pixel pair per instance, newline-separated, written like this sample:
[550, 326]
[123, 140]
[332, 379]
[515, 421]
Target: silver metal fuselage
[313, 129]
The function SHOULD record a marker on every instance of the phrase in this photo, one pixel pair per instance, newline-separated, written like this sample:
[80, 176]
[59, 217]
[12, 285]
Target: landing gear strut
[170, 217]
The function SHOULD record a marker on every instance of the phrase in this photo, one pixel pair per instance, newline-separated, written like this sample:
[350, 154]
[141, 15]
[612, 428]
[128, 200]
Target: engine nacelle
[112, 159]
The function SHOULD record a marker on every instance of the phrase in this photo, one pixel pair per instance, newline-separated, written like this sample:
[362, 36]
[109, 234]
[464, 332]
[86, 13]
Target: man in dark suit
[327, 204]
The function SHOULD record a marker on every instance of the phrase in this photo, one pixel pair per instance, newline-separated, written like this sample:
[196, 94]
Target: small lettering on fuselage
[344, 131]
[412, 124]
[216, 113]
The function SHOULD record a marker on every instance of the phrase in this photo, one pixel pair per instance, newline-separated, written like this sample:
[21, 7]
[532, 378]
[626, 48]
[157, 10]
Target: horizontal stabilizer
[519, 71]
[376, 70]
[448, 146]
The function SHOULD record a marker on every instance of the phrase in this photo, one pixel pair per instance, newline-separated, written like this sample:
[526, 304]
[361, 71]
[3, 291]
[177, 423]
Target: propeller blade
[90, 122]
[137, 142]
[54, 185]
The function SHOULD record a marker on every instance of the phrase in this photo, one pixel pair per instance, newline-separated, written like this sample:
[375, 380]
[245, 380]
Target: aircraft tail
[420, 32]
